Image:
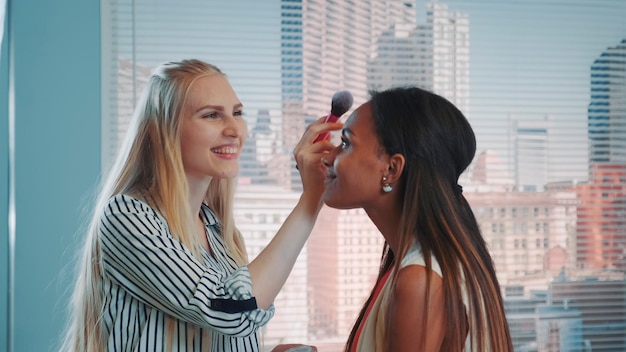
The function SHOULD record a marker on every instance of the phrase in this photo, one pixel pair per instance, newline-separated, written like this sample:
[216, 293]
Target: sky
[532, 58]
[521, 51]
[528, 59]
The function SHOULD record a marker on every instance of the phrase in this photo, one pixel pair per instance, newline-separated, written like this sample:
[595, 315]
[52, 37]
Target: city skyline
[533, 63]
[534, 58]
[528, 112]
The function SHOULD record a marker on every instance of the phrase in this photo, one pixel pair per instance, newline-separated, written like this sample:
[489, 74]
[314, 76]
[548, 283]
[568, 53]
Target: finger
[314, 126]
[319, 132]
[325, 135]
[311, 155]
[320, 147]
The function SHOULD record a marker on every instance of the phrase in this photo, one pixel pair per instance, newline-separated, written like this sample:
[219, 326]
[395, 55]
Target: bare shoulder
[415, 307]
[412, 280]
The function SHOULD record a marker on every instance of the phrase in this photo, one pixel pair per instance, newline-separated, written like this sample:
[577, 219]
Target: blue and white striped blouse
[153, 284]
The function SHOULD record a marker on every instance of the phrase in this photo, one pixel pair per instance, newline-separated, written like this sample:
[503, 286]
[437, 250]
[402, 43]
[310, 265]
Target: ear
[395, 168]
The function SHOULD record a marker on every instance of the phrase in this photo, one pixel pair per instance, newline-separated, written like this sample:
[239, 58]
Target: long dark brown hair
[438, 144]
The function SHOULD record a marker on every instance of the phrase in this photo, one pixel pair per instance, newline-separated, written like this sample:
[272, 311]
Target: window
[521, 71]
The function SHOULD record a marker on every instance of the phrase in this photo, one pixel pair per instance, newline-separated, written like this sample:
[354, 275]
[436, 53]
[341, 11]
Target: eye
[211, 115]
[238, 113]
[344, 143]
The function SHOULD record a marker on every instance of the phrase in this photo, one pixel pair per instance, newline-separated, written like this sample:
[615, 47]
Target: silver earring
[386, 186]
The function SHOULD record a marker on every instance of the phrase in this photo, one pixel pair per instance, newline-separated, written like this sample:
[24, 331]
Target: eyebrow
[219, 107]
[347, 131]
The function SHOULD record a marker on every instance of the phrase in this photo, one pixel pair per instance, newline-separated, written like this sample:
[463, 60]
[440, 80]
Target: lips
[330, 176]
[225, 150]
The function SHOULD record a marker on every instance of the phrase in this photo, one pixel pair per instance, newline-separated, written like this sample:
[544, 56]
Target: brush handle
[329, 118]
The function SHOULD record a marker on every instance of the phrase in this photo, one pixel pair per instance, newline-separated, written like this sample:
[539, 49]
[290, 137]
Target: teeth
[225, 150]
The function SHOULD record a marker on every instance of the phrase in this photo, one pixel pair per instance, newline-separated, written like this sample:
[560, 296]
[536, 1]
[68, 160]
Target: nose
[234, 127]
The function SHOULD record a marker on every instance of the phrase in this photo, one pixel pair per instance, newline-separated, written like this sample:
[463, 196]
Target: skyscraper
[325, 47]
[258, 150]
[434, 55]
[260, 210]
[601, 220]
[607, 107]
[531, 154]
[450, 60]
[601, 228]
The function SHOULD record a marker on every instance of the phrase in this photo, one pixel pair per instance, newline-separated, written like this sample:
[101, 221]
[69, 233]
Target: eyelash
[214, 114]
[210, 115]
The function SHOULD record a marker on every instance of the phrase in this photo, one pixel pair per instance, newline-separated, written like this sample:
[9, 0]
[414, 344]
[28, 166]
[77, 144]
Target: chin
[229, 174]
[224, 176]
[335, 203]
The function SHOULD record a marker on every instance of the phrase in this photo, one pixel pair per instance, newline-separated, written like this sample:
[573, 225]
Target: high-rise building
[601, 228]
[583, 312]
[600, 304]
[601, 220]
[434, 55]
[607, 107]
[325, 47]
[520, 309]
[531, 141]
[526, 232]
[343, 254]
[259, 212]
[559, 328]
[259, 150]
[450, 45]
[488, 174]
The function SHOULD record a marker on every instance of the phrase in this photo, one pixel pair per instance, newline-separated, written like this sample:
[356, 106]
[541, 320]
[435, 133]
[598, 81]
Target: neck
[197, 191]
[387, 220]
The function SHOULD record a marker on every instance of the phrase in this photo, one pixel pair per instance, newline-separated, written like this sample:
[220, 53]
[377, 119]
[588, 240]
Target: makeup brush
[340, 103]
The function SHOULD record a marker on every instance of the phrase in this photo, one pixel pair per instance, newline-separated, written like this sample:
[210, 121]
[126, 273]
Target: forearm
[271, 268]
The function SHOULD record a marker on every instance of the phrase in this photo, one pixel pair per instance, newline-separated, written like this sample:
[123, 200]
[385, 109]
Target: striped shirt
[157, 294]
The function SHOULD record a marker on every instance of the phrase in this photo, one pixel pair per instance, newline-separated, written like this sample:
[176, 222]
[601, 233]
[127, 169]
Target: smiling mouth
[225, 150]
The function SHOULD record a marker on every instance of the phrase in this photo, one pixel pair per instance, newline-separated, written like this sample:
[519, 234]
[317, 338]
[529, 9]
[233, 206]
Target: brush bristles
[341, 102]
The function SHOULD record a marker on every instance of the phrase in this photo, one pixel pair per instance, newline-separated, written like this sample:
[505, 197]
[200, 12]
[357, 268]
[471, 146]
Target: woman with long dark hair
[400, 158]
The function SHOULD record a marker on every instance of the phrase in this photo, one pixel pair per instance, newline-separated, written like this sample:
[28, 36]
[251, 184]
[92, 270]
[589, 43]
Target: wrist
[311, 203]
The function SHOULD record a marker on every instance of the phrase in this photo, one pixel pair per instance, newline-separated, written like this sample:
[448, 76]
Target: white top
[370, 339]
[149, 276]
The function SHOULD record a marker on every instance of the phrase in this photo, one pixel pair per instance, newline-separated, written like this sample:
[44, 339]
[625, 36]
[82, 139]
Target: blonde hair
[149, 165]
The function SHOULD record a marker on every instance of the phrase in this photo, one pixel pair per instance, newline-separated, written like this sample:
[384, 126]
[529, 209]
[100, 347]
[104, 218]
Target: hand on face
[308, 155]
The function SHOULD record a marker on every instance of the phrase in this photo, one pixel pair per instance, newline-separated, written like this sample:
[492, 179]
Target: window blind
[543, 84]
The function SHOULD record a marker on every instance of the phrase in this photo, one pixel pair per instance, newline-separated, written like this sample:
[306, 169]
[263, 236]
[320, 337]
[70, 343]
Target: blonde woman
[163, 267]
[400, 158]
